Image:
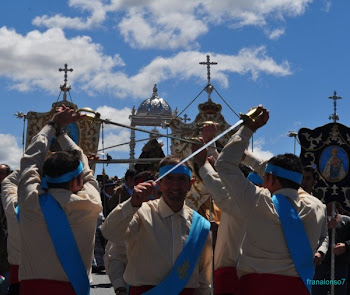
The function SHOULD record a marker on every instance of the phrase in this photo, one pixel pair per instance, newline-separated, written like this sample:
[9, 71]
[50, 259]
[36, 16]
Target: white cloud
[115, 115]
[173, 24]
[327, 6]
[95, 8]
[116, 138]
[185, 65]
[10, 152]
[171, 30]
[275, 34]
[31, 61]
[114, 135]
[258, 149]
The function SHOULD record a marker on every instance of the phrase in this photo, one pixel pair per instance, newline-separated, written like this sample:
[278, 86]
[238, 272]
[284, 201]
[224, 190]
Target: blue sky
[288, 55]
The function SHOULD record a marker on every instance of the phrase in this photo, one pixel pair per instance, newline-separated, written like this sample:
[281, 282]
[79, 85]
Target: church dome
[154, 106]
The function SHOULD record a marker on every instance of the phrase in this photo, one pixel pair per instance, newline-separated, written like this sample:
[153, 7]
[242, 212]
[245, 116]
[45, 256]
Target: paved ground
[101, 285]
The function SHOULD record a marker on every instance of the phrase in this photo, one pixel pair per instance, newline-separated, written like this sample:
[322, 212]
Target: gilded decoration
[84, 132]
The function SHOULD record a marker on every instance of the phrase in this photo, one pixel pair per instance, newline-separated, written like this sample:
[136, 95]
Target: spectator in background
[9, 199]
[123, 191]
[341, 249]
[5, 170]
[310, 177]
[107, 186]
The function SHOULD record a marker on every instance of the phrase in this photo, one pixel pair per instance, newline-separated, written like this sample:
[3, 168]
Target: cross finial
[65, 87]
[65, 70]
[334, 116]
[208, 63]
[155, 91]
[186, 118]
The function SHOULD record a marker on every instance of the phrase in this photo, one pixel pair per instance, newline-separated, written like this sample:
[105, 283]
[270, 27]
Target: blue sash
[17, 212]
[65, 244]
[177, 279]
[296, 238]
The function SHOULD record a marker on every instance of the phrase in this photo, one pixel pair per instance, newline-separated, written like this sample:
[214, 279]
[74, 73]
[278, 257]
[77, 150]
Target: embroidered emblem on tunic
[182, 270]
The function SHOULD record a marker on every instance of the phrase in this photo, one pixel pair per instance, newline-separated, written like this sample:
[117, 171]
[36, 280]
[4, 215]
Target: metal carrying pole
[106, 121]
[332, 252]
[251, 115]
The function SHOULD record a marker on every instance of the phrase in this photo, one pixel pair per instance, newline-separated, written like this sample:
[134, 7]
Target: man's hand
[117, 191]
[65, 116]
[92, 157]
[142, 193]
[318, 258]
[260, 120]
[339, 249]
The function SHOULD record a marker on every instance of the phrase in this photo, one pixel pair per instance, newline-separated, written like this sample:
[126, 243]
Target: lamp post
[293, 134]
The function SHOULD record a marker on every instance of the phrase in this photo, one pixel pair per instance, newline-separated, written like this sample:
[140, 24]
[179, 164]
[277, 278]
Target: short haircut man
[310, 177]
[156, 233]
[57, 225]
[265, 263]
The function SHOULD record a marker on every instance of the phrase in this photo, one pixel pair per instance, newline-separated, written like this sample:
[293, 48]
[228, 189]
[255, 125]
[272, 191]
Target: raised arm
[238, 187]
[34, 157]
[9, 197]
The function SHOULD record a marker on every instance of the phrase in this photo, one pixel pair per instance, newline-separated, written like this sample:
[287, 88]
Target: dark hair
[8, 169]
[130, 173]
[245, 169]
[290, 162]
[311, 169]
[59, 163]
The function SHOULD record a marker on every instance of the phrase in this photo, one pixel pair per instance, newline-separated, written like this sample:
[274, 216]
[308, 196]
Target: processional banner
[327, 148]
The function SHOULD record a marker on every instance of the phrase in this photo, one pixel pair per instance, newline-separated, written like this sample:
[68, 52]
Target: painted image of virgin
[334, 163]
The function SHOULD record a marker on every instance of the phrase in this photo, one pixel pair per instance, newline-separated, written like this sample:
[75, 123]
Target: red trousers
[142, 289]
[46, 287]
[226, 281]
[14, 274]
[271, 284]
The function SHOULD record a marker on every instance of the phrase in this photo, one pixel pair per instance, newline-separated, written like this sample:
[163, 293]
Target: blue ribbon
[65, 244]
[177, 279]
[44, 183]
[179, 170]
[67, 176]
[296, 238]
[284, 173]
[17, 212]
[255, 178]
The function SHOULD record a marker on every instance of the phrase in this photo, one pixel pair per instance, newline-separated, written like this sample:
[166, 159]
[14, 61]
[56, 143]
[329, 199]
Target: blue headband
[181, 170]
[284, 173]
[255, 178]
[67, 176]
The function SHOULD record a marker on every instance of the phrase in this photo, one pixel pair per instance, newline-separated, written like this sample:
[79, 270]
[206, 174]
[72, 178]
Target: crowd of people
[270, 235]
